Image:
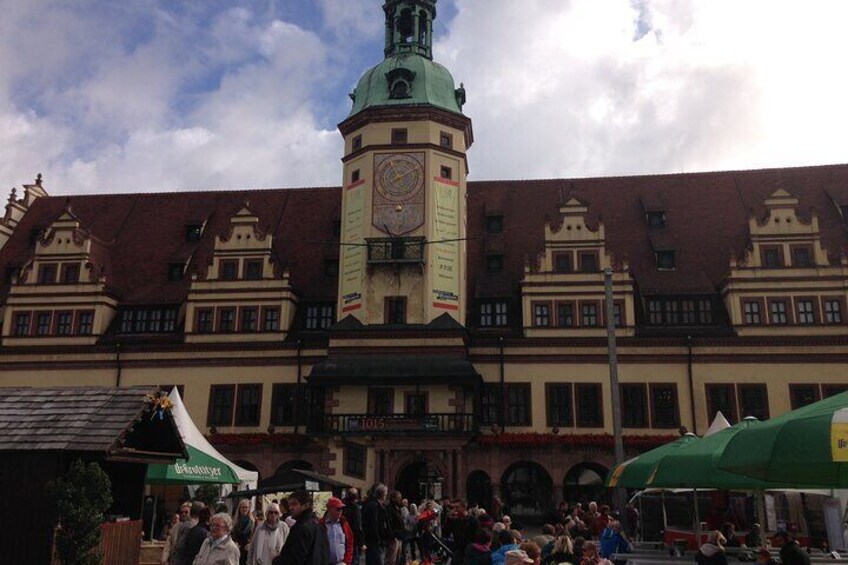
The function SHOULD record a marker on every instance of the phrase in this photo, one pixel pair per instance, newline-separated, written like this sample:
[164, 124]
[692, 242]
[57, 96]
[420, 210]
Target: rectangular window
[126, 321]
[399, 136]
[634, 406]
[70, 273]
[47, 274]
[565, 315]
[229, 270]
[381, 401]
[446, 172]
[312, 317]
[671, 312]
[282, 404]
[42, 323]
[778, 312]
[355, 457]
[590, 410]
[494, 263]
[494, 224]
[752, 313]
[415, 403]
[248, 319]
[327, 316]
[140, 321]
[560, 411]
[562, 262]
[64, 323]
[830, 390]
[446, 140]
[687, 312]
[721, 398]
[501, 314]
[588, 262]
[253, 269]
[589, 315]
[169, 320]
[801, 257]
[801, 395]
[354, 176]
[395, 310]
[85, 323]
[618, 314]
[22, 320]
[226, 319]
[486, 317]
[356, 143]
[656, 220]
[271, 319]
[221, 401]
[518, 405]
[490, 404]
[805, 314]
[655, 312]
[541, 315]
[155, 323]
[705, 312]
[204, 321]
[771, 257]
[249, 405]
[833, 311]
[753, 400]
[665, 412]
[665, 260]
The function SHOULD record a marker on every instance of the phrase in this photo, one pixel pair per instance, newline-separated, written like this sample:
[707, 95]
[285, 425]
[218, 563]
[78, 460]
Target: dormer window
[229, 270]
[446, 173]
[175, 272]
[656, 219]
[193, 232]
[70, 273]
[562, 262]
[354, 176]
[253, 270]
[357, 142]
[47, 274]
[588, 262]
[665, 260]
[772, 257]
[446, 140]
[801, 257]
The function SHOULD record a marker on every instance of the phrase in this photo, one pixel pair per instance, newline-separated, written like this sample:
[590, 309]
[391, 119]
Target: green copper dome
[407, 80]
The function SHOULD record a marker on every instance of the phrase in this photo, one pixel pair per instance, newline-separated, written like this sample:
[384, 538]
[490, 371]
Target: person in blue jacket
[508, 543]
[613, 541]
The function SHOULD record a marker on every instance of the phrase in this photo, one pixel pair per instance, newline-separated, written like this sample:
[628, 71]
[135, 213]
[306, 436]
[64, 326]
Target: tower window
[400, 136]
[446, 173]
[656, 220]
[665, 260]
[494, 224]
[396, 310]
[494, 263]
[357, 142]
[354, 176]
[446, 140]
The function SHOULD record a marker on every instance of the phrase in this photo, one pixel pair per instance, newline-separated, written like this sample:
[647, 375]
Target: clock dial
[399, 177]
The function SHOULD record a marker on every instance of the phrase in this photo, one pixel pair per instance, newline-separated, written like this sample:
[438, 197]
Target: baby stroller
[433, 549]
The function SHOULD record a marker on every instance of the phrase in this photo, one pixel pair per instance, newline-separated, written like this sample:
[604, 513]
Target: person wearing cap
[339, 534]
[790, 552]
[269, 538]
[518, 557]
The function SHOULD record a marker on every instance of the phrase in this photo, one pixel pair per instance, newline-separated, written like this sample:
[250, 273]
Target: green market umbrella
[199, 468]
[807, 447]
[695, 465]
[634, 473]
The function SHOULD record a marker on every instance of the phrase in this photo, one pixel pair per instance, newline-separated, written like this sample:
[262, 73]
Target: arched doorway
[527, 492]
[585, 482]
[412, 481]
[247, 465]
[478, 490]
[285, 475]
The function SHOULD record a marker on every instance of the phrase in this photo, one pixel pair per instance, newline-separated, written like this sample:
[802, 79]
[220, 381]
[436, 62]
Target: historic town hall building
[436, 334]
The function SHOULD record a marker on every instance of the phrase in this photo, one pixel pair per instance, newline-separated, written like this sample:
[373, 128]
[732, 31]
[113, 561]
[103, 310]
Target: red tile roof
[707, 221]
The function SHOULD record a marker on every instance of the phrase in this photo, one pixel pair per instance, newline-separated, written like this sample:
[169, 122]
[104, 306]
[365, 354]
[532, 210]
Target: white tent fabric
[719, 423]
[192, 436]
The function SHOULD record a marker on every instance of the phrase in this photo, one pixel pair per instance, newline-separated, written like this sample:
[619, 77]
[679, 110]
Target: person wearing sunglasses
[268, 539]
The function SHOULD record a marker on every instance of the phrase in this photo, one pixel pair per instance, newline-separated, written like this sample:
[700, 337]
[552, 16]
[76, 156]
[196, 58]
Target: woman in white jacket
[268, 539]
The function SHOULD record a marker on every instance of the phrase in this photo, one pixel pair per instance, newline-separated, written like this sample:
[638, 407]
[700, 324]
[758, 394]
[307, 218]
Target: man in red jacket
[339, 533]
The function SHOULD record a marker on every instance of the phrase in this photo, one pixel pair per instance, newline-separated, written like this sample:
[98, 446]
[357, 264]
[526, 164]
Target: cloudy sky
[154, 95]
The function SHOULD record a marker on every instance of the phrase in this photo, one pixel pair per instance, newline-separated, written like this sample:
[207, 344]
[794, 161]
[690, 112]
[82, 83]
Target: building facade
[442, 336]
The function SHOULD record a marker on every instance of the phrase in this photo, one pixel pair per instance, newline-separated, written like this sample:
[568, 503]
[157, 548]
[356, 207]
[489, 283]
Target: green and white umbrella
[805, 448]
[204, 464]
[634, 473]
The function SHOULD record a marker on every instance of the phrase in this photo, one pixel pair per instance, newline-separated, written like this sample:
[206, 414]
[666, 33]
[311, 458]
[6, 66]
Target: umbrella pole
[697, 520]
[665, 516]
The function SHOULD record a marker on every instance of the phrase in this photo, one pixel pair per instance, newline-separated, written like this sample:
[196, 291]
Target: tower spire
[409, 27]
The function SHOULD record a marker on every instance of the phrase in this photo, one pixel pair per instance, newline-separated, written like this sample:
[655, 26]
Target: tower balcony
[394, 250]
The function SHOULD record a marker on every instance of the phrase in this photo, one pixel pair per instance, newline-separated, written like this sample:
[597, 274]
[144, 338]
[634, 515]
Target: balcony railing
[364, 424]
[395, 250]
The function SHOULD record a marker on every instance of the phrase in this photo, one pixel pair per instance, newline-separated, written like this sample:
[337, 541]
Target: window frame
[409, 396]
[210, 412]
[48, 268]
[399, 136]
[356, 142]
[17, 326]
[810, 261]
[248, 275]
[228, 269]
[599, 408]
[200, 325]
[244, 311]
[355, 460]
[581, 263]
[584, 314]
[519, 405]
[565, 319]
[711, 408]
[794, 389]
[494, 262]
[445, 140]
[377, 409]
[806, 318]
[766, 263]
[390, 305]
[274, 320]
[79, 325]
[64, 320]
[553, 411]
[655, 424]
[760, 304]
[840, 311]
[279, 393]
[243, 420]
[541, 314]
[568, 259]
[634, 423]
[219, 319]
[69, 269]
[740, 387]
[446, 172]
[666, 259]
[37, 321]
[787, 311]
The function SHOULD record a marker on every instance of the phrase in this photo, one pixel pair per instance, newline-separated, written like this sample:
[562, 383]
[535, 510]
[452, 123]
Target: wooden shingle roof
[93, 419]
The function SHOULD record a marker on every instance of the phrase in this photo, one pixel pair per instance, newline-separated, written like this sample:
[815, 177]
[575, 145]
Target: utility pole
[615, 393]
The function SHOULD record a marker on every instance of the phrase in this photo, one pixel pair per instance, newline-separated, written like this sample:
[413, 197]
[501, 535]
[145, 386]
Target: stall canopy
[204, 464]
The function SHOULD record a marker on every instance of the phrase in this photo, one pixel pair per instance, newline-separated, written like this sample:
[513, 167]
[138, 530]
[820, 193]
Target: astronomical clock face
[398, 192]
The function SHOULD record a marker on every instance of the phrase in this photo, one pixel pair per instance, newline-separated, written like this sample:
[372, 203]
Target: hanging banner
[353, 254]
[839, 435]
[444, 257]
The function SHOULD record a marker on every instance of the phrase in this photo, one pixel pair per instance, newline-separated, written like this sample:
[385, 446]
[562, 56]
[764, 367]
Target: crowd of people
[386, 529]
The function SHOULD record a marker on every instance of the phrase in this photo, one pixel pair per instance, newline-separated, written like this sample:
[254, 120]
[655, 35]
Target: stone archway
[284, 475]
[420, 477]
[247, 465]
[478, 490]
[527, 491]
[584, 483]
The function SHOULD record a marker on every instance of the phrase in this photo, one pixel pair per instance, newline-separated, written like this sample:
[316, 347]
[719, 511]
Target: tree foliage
[208, 494]
[81, 498]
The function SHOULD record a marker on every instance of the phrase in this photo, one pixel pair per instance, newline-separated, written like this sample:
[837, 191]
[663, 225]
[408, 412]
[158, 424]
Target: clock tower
[403, 198]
